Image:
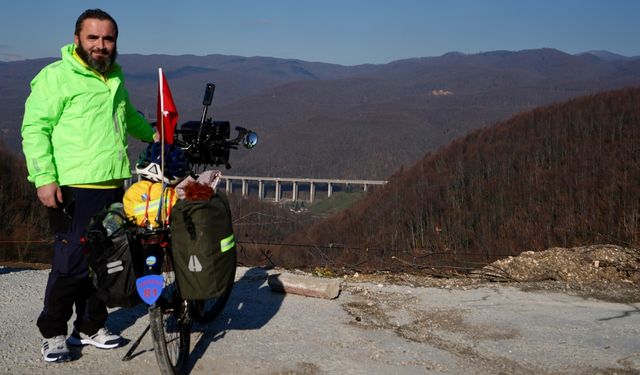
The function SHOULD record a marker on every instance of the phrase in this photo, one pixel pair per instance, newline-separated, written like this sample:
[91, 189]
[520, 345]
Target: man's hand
[50, 195]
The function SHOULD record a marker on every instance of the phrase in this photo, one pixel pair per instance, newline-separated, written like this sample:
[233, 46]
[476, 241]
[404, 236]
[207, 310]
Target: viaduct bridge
[278, 184]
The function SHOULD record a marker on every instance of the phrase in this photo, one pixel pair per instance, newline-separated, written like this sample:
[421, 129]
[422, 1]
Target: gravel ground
[374, 327]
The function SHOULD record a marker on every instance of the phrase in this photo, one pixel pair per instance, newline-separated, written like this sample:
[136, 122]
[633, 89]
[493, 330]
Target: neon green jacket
[76, 122]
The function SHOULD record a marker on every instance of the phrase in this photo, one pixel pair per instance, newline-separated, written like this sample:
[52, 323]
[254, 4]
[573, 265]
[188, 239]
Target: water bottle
[114, 218]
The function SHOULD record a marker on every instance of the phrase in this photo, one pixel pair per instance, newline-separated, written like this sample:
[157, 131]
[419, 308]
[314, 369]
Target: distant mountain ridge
[609, 56]
[363, 121]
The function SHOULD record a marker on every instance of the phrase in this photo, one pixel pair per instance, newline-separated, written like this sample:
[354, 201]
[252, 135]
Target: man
[74, 133]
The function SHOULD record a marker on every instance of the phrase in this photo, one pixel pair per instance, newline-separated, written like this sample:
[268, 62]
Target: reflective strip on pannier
[227, 243]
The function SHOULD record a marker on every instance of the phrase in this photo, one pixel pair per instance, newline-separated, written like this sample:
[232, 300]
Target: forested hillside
[23, 220]
[562, 175]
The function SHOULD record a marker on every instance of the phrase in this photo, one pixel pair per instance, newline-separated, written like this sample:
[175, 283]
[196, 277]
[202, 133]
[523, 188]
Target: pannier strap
[145, 221]
[191, 227]
[167, 203]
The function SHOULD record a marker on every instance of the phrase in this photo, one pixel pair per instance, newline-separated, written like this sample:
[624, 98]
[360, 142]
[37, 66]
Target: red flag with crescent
[167, 114]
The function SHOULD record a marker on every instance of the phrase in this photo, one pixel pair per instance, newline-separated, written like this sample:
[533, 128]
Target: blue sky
[344, 32]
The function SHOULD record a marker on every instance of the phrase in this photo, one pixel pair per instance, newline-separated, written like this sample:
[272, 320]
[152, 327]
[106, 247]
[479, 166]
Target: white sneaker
[102, 339]
[55, 349]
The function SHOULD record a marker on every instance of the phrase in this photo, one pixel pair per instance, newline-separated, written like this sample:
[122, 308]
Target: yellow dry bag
[142, 203]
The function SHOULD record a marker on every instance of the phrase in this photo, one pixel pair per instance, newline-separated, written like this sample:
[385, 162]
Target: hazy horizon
[341, 32]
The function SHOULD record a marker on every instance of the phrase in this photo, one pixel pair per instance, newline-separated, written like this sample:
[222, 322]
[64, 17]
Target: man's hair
[97, 14]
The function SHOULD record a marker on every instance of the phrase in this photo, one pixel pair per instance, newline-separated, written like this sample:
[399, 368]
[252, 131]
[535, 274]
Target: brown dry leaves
[607, 272]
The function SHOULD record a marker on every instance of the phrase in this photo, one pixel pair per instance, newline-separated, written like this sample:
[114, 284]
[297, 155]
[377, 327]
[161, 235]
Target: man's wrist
[44, 180]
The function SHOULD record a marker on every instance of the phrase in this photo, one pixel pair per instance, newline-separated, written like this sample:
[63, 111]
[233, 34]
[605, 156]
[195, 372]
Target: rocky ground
[559, 311]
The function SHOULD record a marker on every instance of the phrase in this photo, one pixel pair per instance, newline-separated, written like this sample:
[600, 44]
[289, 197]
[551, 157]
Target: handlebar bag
[204, 248]
[115, 262]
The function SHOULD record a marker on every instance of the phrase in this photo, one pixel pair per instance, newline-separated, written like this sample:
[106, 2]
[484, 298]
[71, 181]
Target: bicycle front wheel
[170, 325]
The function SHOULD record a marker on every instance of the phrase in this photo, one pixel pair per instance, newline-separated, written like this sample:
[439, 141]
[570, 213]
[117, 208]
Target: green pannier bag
[204, 248]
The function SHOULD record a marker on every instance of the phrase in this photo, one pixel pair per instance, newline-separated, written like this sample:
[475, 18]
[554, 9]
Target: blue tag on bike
[150, 288]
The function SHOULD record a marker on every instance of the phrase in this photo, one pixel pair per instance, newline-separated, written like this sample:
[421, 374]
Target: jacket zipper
[115, 122]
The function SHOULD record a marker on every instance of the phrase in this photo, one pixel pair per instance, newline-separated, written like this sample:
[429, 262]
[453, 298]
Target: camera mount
[206, 142]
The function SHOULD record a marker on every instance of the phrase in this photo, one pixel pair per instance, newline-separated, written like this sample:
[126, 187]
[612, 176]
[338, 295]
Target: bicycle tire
[170, 326]
[205, 310]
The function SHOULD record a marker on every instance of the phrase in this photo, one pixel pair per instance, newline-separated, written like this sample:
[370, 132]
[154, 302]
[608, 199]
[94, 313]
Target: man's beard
[102, 66]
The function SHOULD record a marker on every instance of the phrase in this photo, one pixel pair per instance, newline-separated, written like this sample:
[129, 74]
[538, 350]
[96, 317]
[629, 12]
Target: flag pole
[162, 135]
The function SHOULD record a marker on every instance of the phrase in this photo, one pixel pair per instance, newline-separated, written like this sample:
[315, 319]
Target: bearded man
[74, 138]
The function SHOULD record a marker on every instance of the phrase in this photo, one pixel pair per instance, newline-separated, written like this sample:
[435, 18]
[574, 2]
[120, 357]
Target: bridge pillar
[245, 188]
[278, 190]
[295, 191]
[364, 187]
[312, 192]
[329, 189]
[260, 189]
[229, 186]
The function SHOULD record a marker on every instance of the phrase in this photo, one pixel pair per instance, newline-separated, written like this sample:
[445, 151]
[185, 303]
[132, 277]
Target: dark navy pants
[69, 281]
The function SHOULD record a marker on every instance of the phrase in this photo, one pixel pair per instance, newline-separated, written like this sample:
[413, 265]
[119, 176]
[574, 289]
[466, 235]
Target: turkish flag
[167, 113]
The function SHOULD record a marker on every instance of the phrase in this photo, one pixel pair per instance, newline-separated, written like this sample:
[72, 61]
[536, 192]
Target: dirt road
[370, 329]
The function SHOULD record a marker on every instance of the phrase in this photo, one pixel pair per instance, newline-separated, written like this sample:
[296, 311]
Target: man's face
[96, 44]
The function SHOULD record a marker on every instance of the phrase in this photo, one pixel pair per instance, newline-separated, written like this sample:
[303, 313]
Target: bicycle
[171, 316]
